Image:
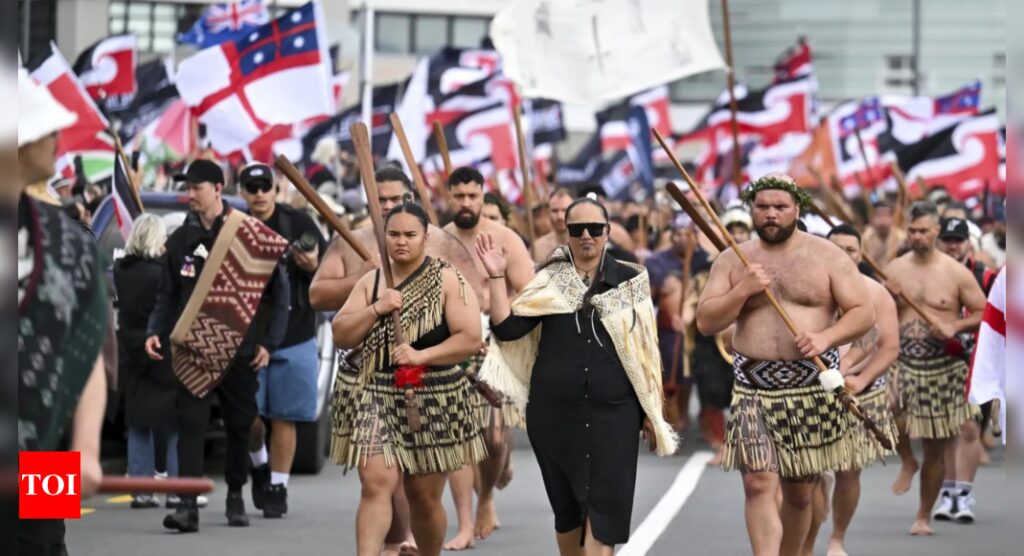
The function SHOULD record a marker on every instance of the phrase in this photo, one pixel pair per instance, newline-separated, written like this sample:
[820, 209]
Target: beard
[775, 233]
[466, 220]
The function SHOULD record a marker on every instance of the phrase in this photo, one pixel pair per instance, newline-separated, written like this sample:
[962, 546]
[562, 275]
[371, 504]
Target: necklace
[586, 274]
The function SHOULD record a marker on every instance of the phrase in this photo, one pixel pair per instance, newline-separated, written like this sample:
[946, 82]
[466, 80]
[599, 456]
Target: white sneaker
[201, 501]
[947, 507]
[964, 508]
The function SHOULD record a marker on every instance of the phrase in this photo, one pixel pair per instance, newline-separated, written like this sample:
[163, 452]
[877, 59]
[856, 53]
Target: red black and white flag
[107, 70]
[126, 206]
[963, 158]
[794, 62]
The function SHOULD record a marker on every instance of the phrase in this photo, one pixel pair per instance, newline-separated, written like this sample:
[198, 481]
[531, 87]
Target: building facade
[860, 48]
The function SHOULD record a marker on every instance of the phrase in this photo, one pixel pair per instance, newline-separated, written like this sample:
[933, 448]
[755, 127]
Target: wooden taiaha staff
[171, 485]
[903, 197]
[414, 168]
[524, 167]
[302, 186]
[843, 392]
[881, 274]
[446, 160]
[364, 156]
[837, 202]
[442, 147]
[679, 346]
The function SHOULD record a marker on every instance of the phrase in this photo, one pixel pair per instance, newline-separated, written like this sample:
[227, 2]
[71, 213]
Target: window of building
[404, 33]
[155, 24]
[999, 69]
[899, 72]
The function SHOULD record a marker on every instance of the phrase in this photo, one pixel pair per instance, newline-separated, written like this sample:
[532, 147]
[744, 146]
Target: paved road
[709, 522]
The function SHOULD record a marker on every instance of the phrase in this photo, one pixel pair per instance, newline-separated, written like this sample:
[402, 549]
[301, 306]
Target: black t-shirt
[292, 224]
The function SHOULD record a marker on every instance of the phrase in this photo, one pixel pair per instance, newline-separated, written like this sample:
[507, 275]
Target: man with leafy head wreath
[786, 426]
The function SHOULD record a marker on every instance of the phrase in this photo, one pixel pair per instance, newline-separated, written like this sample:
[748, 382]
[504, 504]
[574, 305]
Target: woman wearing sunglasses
[580, 343]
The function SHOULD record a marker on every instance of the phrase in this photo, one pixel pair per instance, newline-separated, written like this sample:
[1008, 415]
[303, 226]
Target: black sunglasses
[595, 229]
[258, 186]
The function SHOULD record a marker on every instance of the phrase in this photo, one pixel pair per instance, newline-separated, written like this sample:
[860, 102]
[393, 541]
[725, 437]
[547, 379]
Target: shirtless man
[865, 366]
[559, 200]
[882, 239]
[465, 186]
[931, 380]
[342, 267]
[778, 397]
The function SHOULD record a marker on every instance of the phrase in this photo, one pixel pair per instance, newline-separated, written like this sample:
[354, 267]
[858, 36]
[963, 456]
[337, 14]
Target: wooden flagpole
[844, 394]
[524, 167]
[731, 78]
[302, 186]
[414, 168]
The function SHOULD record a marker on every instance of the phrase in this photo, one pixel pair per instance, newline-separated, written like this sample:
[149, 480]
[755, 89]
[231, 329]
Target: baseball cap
[255, 173]
[202, 170]
[954, 228]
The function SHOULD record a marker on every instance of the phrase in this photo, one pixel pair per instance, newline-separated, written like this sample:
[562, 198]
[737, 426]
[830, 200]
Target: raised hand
[494, 258]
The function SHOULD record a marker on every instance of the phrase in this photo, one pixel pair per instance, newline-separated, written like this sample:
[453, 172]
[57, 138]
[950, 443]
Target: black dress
[583, 417]
[149, 387]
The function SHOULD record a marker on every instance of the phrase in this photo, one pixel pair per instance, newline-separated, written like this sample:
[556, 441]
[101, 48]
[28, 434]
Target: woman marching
[580, 342]
[410, 410]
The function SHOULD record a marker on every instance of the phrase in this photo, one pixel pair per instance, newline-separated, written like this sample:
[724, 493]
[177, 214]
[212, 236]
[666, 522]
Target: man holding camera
[288, 384]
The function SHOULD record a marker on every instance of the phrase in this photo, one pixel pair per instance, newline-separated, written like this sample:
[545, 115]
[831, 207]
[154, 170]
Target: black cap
[202, 170]
[954, 228]
[254, 173]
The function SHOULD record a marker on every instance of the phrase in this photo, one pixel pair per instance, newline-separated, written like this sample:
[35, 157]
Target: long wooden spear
[302, 186]
[446, 159]
[843, 392]
[173, 485]
[414, 168]
[364, 156]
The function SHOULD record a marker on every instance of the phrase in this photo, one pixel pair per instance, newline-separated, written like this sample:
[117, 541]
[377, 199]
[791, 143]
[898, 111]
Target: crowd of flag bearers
[818, 283]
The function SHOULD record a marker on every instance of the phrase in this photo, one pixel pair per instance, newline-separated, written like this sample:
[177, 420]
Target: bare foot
[835, 548]
[506, 475]
[921, 528]
[716, 460]
[461, 541]
[486, 519]
[408, 549]
[983, 459]
[905, 478]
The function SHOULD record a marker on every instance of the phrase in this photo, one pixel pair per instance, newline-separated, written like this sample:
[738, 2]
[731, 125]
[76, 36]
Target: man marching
[932, 375]
[288, 384]
[224, 320]
[865, 366]
[466, 187]
[558, 201]
[785, 426]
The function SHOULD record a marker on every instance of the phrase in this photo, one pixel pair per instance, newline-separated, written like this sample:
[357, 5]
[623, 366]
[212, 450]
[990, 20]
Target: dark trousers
[237, 397]
[42, 537]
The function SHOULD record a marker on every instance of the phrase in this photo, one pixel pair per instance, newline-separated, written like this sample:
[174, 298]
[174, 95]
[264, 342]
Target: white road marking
[666, 509]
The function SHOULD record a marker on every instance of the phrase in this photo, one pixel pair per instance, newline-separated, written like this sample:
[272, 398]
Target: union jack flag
[226, 21]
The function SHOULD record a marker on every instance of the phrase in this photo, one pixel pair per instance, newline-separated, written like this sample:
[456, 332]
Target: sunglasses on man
[258, 186]
[595, 229]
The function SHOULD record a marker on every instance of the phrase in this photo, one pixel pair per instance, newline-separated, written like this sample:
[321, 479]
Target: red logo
[49, 485]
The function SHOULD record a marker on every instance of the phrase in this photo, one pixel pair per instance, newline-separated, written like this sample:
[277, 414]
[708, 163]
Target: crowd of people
[591, 330]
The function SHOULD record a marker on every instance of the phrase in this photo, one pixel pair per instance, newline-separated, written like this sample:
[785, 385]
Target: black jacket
[148, 387]
[178, 280]
[292, 224]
